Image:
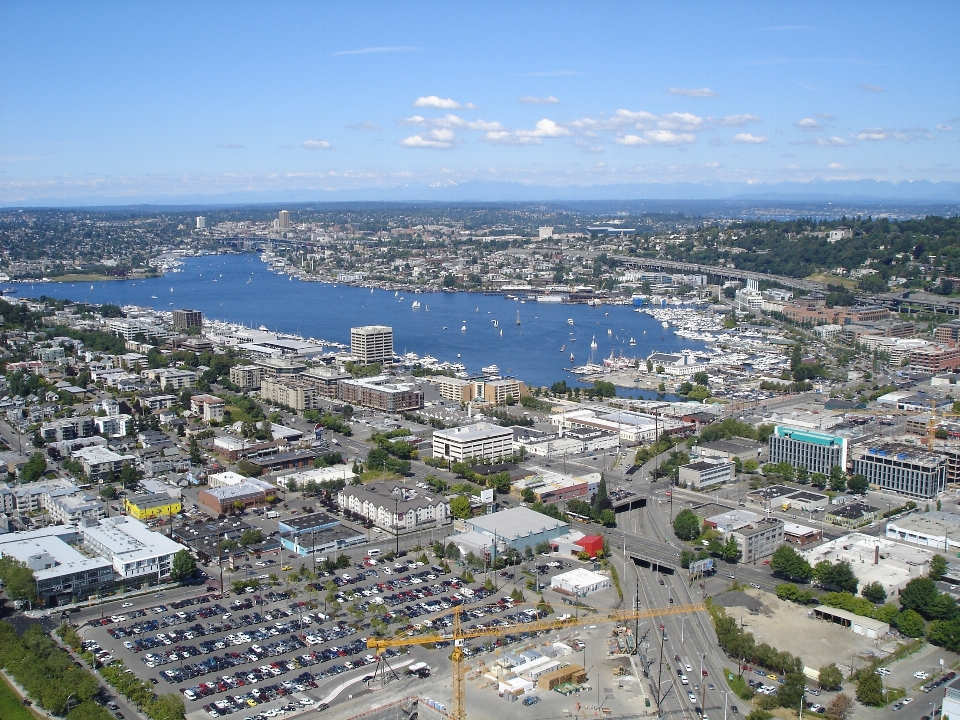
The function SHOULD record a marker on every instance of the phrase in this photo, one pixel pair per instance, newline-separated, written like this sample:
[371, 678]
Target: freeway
[726, 272]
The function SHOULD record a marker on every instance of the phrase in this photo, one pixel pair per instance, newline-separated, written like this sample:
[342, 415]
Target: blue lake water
[218, 285]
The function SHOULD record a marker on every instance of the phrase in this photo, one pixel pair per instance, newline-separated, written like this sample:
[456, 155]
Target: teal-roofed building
[817, 451]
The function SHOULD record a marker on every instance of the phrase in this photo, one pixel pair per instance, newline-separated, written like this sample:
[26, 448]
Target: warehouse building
[317, 533]
[149, 506]
[707, 473]
[248, 494]
[517, 528]
[579, 582]
[935, 529]
[859, 624]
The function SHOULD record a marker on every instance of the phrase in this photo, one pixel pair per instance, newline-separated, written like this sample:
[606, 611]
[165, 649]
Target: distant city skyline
[117, 102]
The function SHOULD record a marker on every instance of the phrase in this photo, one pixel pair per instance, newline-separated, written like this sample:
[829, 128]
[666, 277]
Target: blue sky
[130, 100]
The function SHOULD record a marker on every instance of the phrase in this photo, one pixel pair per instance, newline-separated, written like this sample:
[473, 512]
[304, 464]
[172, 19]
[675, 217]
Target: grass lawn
[10, 706]
[375, 475]
[829, 279]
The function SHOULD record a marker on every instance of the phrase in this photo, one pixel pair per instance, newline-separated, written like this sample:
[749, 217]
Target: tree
[803, 475]
[129, 477]
[870, 690]
[108, 492]
[686, 525]
[34, 468]
[731, 551]
[791, 691]
[701, 378]
[451, 552]
[830, 677]
[838, 481]
[796, 357]
[874, 592]
[248, 469]
[183, 566]
[858, 485]
[601, 501]
[837, 576]
[919, 595]
[460, 507]
[818, 480]
[910, 623]
[166, 707]
[196, 457]
[788, 563]
[840, 707]
[251, 536]
[18, 579]
[938, 567]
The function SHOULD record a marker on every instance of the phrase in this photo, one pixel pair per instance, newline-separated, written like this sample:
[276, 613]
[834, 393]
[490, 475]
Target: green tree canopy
[870, 690]
[34, 468]
[686, 525]
[874, 592]
[836, 576]
[460, 507]
[183, 566]
[788, 563]
[830, 677]
[938, 567]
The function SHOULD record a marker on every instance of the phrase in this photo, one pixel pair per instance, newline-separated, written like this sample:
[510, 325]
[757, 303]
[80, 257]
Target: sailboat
[571, 357]
[609, 332]
[463, 329]
[563, 347]
[501, 332]
[593, 343]
[153, 297]
[416, 305]
[632, 341]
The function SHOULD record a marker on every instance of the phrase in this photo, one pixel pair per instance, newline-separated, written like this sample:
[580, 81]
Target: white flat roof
[579, 577]
[50, 540]
[129, 540]
[477, 431]
[228, 478]
[98, 454]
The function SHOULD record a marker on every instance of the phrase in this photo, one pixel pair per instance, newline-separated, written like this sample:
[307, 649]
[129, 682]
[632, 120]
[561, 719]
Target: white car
[921, 675]
[693, 698]
[687, 667]
[128, 604]
[306, 701]
[907, 701]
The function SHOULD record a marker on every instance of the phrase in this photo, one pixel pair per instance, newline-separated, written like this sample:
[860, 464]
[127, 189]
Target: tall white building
[201, 222]
[372, 343]
[284, 219]
[545, 232]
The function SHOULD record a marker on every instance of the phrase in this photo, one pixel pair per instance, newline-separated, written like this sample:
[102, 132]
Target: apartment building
[246, 377]
[380, 393]
[67, 429]
[171, 378]
[326, 380]
[394, 508]
[185, 319]
[293, 392]
[99, 463]
[935, 358]
[372, 344]
[209, 407]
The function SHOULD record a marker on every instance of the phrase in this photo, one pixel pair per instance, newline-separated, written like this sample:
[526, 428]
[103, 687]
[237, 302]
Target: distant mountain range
[873, 193]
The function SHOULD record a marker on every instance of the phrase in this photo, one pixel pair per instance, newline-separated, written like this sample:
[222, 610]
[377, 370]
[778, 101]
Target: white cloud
[734, 120]
[439, 139]
[533, 100]
[505, 137]
[832, 142]
[657, 137]
[944, 128]
[872, 88]
[433, 101]
[316, 145]
[451, 121]
[836, 166]
[694, 92]
[873, 134]
[543, 129]
[808, 124]
[365, 125]
[647, 121]
[381, 49]
[748, 139]
[680, 121]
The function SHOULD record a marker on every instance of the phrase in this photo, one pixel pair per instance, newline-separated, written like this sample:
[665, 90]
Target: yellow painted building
[147, 507]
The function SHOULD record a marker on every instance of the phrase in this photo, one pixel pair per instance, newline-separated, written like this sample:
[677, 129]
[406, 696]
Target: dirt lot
[786, 626]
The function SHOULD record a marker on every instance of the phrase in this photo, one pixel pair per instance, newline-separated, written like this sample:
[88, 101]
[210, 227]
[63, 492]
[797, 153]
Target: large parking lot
[267, 652]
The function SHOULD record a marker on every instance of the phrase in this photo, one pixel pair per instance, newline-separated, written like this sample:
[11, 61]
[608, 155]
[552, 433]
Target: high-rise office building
[201, 222]
[817, 451]
[284, 219]
[372, 343]
[903, 469]
[185, 319]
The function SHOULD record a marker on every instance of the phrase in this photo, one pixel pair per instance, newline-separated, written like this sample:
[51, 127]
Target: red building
[591, 544]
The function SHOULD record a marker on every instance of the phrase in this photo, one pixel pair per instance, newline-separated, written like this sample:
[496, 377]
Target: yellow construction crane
[459, 634]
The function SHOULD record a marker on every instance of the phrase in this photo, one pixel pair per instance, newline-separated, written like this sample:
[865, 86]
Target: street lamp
[725, 693]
